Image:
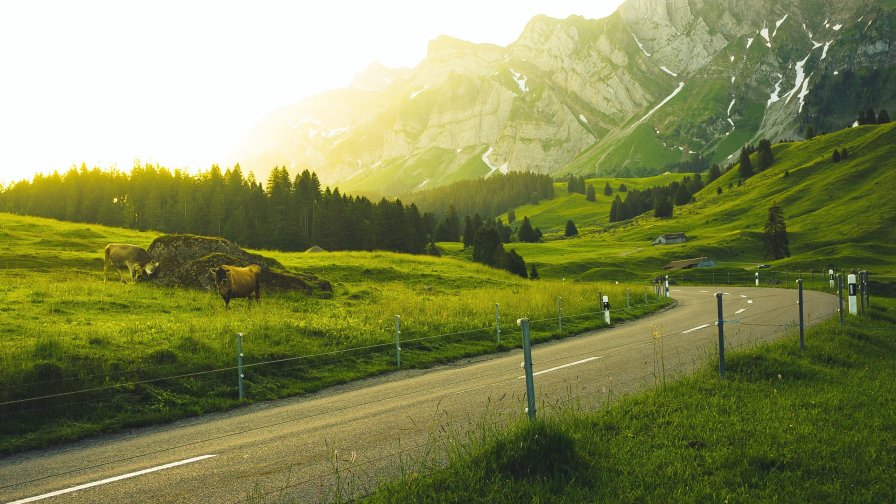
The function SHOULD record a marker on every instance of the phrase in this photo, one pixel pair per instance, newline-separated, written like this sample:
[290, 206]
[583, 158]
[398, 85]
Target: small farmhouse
[698, 262]
[669, 239]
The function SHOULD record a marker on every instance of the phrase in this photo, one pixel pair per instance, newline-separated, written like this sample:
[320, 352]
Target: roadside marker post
[840, 295]
[527, 367]
[757, 279]
[627, 300]
[398, 340]
[606, 306]
[831, 277]
[667, 285]
[721, 324]
[852, 291]
[862, 293]
[802, 326]
[239, 362]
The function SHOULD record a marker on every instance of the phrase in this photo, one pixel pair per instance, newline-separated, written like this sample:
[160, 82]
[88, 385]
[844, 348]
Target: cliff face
[648, 86]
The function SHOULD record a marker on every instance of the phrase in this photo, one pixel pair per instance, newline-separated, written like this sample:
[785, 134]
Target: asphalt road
[346, 438]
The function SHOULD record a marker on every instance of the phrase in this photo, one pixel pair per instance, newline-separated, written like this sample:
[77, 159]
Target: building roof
[315, 249]
[672, 236]
[685, 263]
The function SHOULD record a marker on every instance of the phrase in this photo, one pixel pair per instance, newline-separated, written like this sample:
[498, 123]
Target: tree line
[286, 213]
[659, 199]
[486, 196]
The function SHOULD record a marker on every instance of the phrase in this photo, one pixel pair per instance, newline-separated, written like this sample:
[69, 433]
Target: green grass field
[152, 354]
[782, 426]
[837, 214]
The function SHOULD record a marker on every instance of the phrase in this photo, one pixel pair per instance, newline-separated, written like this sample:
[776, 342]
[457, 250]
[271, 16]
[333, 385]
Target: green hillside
[840, 214]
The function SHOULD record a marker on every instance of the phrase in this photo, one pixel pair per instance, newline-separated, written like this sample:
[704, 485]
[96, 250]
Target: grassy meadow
[81, 356]
[838, 215]
[782, 426]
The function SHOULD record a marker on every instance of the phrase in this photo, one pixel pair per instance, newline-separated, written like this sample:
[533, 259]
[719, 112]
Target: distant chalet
[671, 238]
[699, 262]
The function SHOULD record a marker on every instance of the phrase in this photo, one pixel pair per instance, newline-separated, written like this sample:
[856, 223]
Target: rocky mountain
[637, 91]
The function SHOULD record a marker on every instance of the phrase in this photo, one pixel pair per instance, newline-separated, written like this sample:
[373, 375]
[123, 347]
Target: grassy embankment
[152, 354]
[783, 425]
[837, 214]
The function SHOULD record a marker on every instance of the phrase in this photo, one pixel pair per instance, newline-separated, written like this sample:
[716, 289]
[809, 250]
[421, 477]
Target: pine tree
[515, 264]
[533, 273]
[682, 195]
[511, 216]
[526, 234]
[589, 193]
[571, 229]
[615, 208]
[714, 172]
[883, 117]
[622, 188]
[775, 234]
[469, 232]
[746, 167]
[836, 156]
[608, 191]
[662, 206]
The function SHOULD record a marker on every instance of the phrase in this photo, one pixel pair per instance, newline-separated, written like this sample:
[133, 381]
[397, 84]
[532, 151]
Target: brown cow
[134, 258]
[237, 282]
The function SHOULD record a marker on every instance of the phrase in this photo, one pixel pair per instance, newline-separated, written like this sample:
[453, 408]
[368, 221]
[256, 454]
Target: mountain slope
[631, 93]
[836, 213]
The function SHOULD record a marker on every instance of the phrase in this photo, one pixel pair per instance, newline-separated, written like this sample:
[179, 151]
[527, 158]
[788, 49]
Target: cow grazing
[237, 282]
[132, 257]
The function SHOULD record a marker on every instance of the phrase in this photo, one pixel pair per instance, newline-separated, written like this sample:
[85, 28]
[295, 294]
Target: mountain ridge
[651, 84]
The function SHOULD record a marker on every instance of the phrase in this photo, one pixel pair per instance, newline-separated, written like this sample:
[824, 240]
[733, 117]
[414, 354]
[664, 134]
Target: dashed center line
[738, 312]
[113, 479]
[576, 363]
[695, 328]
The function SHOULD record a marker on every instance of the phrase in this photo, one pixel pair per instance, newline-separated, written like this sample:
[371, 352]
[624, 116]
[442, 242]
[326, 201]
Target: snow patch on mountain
[503, 168]
[778, 24]
[641, 46]
[520, 80]
[824, 52]
[774, 96]
[415, 93]
[799, 82]
[670, 72]
[677, 90]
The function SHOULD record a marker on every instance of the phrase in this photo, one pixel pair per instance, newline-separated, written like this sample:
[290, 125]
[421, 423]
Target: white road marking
[743, 296]
[738, 312]
[695, 329]
[113, 479]
[576, 363]
[749, 301]
[705, 292]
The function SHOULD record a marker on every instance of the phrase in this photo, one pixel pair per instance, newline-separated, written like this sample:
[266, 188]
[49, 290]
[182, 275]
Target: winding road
[346, 438]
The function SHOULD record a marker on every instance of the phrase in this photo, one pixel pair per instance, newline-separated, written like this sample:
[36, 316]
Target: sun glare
[179, 84]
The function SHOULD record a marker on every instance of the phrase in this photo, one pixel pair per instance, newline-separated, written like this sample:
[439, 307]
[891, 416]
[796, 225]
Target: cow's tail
[106, 253]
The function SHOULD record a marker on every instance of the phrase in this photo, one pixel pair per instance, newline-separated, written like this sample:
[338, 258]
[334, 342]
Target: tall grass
[80, 356]
[784, 425]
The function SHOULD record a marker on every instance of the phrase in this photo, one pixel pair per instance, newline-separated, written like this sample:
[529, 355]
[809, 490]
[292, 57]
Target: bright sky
[179, 83]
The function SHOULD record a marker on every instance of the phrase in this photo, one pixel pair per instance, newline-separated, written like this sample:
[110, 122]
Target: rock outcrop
[186, 261]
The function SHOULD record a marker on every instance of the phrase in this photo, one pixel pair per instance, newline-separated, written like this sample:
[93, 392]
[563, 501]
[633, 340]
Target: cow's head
[220, 276]
[151, 267]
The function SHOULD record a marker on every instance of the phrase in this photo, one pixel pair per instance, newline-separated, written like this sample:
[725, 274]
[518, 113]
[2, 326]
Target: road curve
[358, 433]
